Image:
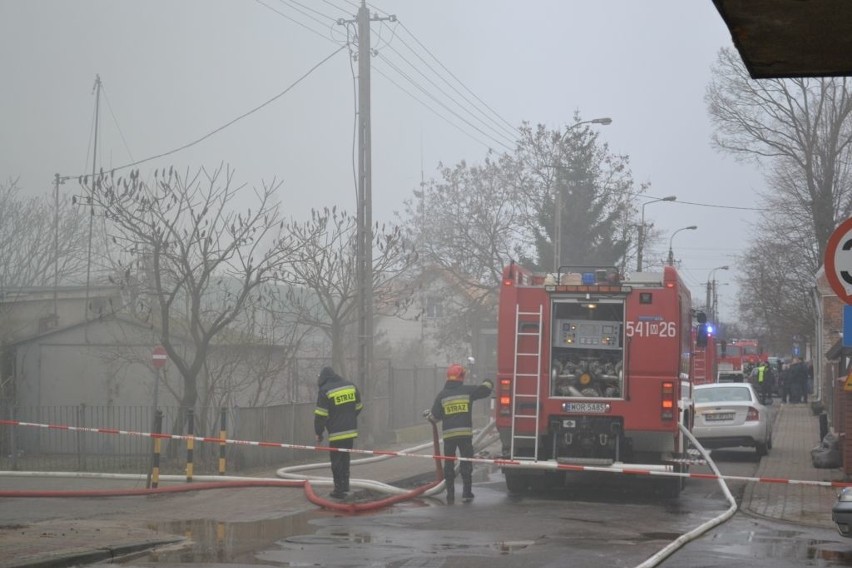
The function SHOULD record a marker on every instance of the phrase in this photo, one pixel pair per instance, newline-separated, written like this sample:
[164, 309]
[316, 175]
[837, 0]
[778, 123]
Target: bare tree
[466, 227]
[41, 246]
[800, 131]
[322, 277]
[197, 261]
[29, 254]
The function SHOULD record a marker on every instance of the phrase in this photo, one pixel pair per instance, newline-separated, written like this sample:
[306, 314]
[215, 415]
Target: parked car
[730, 415]
[841, 513]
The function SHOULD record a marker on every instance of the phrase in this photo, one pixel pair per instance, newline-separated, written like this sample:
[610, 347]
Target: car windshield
[723, 394]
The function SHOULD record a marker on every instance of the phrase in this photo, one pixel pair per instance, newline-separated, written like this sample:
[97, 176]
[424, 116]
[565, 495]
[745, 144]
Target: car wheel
[762, 449]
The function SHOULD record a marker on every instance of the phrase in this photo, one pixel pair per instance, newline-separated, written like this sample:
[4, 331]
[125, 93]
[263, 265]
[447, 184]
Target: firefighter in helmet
[452, 408]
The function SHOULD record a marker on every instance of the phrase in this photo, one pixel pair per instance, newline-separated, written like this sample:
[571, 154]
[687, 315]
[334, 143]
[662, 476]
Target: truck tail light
[667, 404]
[753, 415]
[504, 398]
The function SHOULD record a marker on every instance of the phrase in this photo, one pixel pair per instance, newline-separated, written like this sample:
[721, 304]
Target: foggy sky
[175, 70]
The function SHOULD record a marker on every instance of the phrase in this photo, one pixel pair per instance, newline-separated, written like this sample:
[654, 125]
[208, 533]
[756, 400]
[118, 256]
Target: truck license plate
[590, 407]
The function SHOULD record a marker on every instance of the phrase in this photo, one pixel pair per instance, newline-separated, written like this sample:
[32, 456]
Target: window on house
[434, 307]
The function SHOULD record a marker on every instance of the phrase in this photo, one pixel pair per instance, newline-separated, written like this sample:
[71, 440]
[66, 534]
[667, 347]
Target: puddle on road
[303, 539]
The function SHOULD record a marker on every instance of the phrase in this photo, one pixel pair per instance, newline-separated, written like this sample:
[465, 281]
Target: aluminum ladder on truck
[699, 366]
[527, 324]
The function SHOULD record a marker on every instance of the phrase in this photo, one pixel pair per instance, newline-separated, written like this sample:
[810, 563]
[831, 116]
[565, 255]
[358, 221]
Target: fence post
[190, 442]
[81, 442]
[154, 473]
[13, 442]
[222, 436]
[391, 398]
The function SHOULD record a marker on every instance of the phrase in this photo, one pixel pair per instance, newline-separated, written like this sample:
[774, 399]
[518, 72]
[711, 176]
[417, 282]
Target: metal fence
[395, 405]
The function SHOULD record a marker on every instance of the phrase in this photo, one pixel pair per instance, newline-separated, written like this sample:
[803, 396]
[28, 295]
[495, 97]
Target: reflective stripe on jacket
[454, 404]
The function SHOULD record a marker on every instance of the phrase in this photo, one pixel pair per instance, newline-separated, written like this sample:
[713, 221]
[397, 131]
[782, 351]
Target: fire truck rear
[591, 372]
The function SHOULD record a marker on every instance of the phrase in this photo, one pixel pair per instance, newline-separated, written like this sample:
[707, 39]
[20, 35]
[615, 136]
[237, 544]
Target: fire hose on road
[289, 475]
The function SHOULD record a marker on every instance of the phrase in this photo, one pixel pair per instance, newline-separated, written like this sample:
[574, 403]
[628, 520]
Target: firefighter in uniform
[338, 406]
[452, 408]
[763, 375]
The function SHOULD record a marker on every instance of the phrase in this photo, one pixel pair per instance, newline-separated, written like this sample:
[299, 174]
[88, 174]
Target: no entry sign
[838, 261]
[159, 357]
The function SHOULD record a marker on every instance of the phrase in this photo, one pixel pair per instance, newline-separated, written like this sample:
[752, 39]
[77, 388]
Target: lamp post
[557, 214]
[671, 253]
[711, 292]
[641, 244]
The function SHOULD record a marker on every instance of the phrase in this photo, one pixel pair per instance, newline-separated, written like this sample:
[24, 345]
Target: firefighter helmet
[455, 372]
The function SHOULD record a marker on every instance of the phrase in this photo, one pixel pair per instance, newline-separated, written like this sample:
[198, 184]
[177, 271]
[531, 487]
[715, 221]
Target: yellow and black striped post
[223, 421]
[190, 442]
[155, 463]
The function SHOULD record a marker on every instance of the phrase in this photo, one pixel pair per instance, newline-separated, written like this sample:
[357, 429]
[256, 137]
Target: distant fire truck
[592, 370]
[737, 357]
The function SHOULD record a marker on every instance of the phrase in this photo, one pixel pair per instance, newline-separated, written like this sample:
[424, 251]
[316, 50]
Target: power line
[451, 111]
[444, 67]
[499, 133]
[333, 5]
[226, 125]
[120, 133]
[499, 130]
[428, 107]
[719, 206]
[297, 22]
[308, 8]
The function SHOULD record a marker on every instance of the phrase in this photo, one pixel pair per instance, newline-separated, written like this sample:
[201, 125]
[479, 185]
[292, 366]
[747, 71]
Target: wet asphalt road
[600, 520]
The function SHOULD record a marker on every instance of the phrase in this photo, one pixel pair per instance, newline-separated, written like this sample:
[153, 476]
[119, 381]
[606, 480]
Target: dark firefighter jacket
[454, 404]
[338, 406]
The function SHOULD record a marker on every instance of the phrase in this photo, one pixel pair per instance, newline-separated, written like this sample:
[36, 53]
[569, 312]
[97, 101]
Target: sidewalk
[796, 432]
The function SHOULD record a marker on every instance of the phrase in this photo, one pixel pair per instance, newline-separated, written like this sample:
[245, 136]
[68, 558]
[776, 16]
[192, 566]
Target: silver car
[731, 415]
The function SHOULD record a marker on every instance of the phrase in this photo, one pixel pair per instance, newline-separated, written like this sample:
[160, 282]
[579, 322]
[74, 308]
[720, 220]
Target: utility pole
[708, 304]
[97, 90]
[364, 244]
[57, 180]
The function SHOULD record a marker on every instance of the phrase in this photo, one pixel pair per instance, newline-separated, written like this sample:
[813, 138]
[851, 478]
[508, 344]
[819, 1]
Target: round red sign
[159, 356]
[838, 261]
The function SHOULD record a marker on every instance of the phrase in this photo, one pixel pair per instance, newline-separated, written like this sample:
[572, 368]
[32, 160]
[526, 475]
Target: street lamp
[671, 253]
[711, 292]
[557, 214]
[641, 244]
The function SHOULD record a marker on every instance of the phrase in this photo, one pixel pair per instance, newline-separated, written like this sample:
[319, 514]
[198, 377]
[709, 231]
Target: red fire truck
[591, 371]
[737, 357]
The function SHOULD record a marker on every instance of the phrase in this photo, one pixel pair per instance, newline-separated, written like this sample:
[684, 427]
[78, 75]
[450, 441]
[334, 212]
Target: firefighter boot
[467, 492]
[345, 483]
[338, 492]
[451, 491]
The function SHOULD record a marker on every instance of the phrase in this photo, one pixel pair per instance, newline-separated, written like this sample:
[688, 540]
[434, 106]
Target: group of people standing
[791, 381]
[339, 404]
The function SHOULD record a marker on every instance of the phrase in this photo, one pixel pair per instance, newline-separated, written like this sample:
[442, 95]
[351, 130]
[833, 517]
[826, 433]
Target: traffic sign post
[838, 261]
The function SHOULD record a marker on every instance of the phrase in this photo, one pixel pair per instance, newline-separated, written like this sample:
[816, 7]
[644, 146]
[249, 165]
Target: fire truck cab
[593, 370]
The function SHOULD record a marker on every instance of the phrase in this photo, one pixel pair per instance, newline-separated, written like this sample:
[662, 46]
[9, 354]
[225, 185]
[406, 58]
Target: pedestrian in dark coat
[798, 380]
[452, 408]
[338, 407]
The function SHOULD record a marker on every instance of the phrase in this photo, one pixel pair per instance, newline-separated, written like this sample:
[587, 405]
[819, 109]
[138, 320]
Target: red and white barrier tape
[499, 462]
